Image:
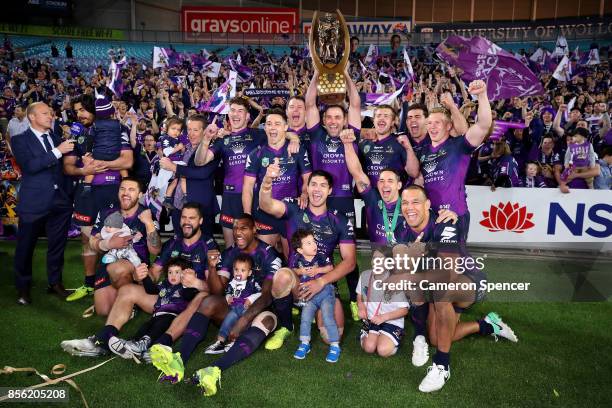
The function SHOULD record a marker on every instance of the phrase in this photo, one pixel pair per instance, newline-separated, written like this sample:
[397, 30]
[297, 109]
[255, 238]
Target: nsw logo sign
[507, 217]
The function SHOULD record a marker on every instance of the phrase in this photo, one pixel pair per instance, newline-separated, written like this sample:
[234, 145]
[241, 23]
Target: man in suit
[43, 200]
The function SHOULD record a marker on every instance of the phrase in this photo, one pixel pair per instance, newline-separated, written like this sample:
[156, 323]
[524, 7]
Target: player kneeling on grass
[309, 265]
[241, 292]
[173, 298]
[382, 312]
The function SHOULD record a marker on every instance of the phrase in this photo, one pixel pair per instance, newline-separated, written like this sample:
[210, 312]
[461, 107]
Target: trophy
[329, 44]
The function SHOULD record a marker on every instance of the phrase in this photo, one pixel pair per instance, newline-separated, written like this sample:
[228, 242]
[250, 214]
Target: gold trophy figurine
[329, 44]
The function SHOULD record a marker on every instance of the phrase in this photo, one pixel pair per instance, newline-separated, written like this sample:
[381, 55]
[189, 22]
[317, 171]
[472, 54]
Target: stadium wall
[165, 15]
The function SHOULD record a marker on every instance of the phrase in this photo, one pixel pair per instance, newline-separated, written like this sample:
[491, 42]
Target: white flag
[538, 56]
[160, 57]
[561, 48]
[563, 71]
[593, 57]
[408, 67]
[387, 99]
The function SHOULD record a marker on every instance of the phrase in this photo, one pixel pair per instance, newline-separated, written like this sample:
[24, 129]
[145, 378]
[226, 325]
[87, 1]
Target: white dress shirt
[39, 136]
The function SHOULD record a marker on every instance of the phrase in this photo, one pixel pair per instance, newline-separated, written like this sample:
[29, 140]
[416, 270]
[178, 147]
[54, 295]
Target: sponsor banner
[523, 30]
[271, 92]
[539, 215]
[371, 28]
[73, 32]
[241, 20]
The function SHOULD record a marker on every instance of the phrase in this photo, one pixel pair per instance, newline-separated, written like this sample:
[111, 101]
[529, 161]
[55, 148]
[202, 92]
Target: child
[382, 313]
[308, 264]
[172, 299]
[105, 135]
[114, 224]
[532, 177]
[170, 146]
[241, 292]
[579, 156]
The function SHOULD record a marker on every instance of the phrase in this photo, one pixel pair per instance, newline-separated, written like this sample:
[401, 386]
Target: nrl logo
[305, 218]
[265, 162]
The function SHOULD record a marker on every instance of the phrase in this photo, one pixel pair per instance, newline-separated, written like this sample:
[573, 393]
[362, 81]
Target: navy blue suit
[43, 203]
[200, 189]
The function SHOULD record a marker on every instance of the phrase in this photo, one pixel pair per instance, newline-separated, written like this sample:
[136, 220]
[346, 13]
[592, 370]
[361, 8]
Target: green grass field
[563, 358]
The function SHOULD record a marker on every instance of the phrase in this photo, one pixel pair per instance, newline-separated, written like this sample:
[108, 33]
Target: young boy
[308, 264]
[532, 177]
[579, 156]
[171, 146]
[241, 292]
[172, 299]
[105, 135]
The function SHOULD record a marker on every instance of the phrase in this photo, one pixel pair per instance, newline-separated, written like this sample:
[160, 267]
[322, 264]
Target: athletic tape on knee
[259, 322]
[282, 290]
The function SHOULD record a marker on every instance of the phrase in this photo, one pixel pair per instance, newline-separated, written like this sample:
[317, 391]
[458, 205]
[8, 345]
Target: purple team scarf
[506, 76]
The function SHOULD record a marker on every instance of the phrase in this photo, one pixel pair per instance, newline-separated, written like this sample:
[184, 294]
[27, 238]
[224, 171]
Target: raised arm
[312, 112]
[354, 111]
[203, 155]
[268, 204]
[362, 181]
[476, 134]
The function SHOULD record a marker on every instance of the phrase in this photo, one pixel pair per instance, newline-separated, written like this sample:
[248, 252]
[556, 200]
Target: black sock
[351, 281]
[282, 307]
[194, 334]
[243, 347]
[106, 333]
[485, 327]
[442, 358]
[164, 339]
[90, 281]
[418, 316]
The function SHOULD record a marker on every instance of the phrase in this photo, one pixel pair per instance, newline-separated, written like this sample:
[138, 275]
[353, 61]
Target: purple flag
[505, 75]
[500, 128]
[115, 83]
[244, 73]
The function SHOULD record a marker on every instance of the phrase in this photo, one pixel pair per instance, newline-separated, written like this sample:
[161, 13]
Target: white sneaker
[500, 328]
[435, 379]
[420, 351]
[83, 347]
[218, 347]
[117, 346]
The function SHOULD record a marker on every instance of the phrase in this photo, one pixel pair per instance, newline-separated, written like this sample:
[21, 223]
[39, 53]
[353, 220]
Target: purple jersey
[506, 166]
[580, 155]
[374, 215]
[419, 146]
[292, 167]
[241, 290]
[533, 182]
[136, 226]
[196, 253]
[329, 229]
[234, 149]
[172, 299]
[113, 176]
[382, 154]
[327, 153]
[298, 261]
[444, 168]
[266, 262]
[166, 141]
[444, 233]
[304, 136]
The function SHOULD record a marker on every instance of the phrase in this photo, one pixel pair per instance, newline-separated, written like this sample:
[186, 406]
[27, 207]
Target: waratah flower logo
[507, 217]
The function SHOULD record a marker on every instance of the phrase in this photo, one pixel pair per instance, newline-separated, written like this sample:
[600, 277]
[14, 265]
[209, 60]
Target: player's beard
[191, 232]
